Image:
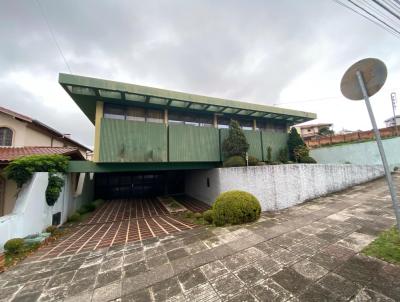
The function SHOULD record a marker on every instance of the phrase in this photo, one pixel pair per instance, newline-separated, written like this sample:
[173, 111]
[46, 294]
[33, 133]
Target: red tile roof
[9, 153]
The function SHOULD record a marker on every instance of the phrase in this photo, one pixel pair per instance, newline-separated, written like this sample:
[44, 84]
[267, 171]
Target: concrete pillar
[215, 121]
[254, 124]
[165, 116]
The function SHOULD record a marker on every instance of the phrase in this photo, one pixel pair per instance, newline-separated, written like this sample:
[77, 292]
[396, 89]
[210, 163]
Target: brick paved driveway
[306, 253]
[119, 222]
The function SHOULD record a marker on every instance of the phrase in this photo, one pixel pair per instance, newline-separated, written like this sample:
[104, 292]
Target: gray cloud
[235, 49]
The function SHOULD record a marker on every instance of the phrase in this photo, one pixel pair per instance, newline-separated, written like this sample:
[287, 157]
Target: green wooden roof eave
[94, 83]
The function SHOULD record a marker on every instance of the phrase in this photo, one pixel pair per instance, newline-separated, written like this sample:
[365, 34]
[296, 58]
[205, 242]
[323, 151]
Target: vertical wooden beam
[97, 129]
[215, 121]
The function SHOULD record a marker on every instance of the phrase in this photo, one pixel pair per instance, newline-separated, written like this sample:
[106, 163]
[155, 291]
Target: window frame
[4, 139]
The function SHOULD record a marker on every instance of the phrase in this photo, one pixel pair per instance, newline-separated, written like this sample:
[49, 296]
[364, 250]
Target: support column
[215, 121]
[97, 129]
[254, 124]
[165, 116]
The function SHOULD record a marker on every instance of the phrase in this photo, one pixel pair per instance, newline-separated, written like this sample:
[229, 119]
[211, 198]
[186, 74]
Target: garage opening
[139, 184]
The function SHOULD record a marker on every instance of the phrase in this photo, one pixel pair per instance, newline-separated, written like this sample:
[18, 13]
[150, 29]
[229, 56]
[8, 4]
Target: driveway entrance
[118, 222]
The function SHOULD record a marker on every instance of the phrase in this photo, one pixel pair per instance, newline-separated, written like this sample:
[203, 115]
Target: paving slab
[310, 252]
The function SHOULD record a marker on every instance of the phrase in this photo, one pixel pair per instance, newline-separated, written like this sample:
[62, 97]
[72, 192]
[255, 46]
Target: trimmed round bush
[308, 160]
[253, 161]
[235, 161]
[235, 207]
[198, 215]
[208, 216]
[14, 246]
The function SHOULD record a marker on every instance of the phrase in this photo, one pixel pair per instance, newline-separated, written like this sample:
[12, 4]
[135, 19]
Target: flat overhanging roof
[85, 91]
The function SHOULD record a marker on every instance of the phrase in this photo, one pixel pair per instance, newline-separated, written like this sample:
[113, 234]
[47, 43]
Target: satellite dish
[374, 73]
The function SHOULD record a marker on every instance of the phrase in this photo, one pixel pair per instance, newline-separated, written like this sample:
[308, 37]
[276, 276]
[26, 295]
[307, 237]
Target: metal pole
[394, 100]
[389, 180]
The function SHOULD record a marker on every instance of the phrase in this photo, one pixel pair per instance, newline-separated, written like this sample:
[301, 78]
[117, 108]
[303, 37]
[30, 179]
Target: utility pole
[394, 104]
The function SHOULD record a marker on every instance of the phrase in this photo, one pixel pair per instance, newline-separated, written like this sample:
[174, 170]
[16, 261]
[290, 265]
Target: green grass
[385, 247]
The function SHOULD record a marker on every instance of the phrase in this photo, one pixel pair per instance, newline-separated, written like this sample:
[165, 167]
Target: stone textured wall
[281, 186]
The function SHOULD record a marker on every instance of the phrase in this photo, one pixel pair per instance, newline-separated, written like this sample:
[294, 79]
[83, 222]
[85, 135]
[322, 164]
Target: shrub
[294, 140]
[98, 202]
[54, 188]
[235, 161]
[14, 246]
[208, 216]
[198, 215]
[52, 229]
[21, 170]
[189, 214]
[253, 161]
[74, 217]
[269, 154]
[300, 152]
[235, 207]
[236, 142]
[308, 160]
[283, 155]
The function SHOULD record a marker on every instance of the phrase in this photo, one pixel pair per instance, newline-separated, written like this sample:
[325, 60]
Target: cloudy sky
[288, 52]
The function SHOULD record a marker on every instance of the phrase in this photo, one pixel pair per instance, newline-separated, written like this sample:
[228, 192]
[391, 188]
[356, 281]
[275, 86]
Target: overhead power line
[385, 14]
[52, 34]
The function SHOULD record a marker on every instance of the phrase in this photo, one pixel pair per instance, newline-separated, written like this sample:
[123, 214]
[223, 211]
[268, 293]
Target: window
[246, 124]
[114, 112]
[223, 122]
[6, 136]
[187, 118]
[133, 113]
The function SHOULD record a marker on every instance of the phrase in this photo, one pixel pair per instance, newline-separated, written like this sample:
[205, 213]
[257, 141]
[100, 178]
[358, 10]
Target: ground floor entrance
[138, 184]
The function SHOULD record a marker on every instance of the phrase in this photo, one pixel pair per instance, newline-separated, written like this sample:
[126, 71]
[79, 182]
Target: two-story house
[145, 138]
[21, 135]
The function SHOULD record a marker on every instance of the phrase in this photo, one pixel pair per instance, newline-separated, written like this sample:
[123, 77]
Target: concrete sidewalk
[306, 253]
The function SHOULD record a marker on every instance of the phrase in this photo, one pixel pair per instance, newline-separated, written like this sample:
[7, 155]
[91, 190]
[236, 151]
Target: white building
[390, 122]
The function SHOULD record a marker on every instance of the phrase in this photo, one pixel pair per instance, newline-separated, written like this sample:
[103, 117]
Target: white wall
[31, 213]
[280, 186]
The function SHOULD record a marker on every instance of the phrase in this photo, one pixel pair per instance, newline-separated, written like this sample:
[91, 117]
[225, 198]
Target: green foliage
[208, 216]
[235, 161]
[294, 140]
[386, 246]
[236, 143]
[198, 215]
[54, 188]
[98, 202]
[74, 217]
[300, 152]
[283, 155]
[269, 154]
[235, 207]
[52, 229]
[14, 246]
[21, 170]
[253, 161]
[325, 131]
[308, 160]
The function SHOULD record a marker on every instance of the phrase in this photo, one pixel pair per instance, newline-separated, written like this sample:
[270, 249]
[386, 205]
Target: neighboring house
[391, 122]
[20, 136]
[146, 137]
[311, 131]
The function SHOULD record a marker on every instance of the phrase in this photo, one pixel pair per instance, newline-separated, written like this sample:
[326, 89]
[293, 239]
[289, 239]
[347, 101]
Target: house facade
[145, 138]
[21, 135]
[309, 132]
[393, 121]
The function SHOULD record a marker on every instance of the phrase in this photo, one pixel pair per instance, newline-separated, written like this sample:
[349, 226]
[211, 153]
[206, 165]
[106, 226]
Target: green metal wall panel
[193, 144]
[253, 138]
[276, 140]
[129, 141]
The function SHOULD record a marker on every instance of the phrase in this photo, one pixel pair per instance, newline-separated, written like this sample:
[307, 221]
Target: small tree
[325, 131]
[283, 155]
[294, 141]
[236, 143]
[269, 154]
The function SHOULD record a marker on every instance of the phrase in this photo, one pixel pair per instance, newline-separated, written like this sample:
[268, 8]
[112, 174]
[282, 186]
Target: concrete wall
[281, 186]
[31, 214]
[366, 153]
